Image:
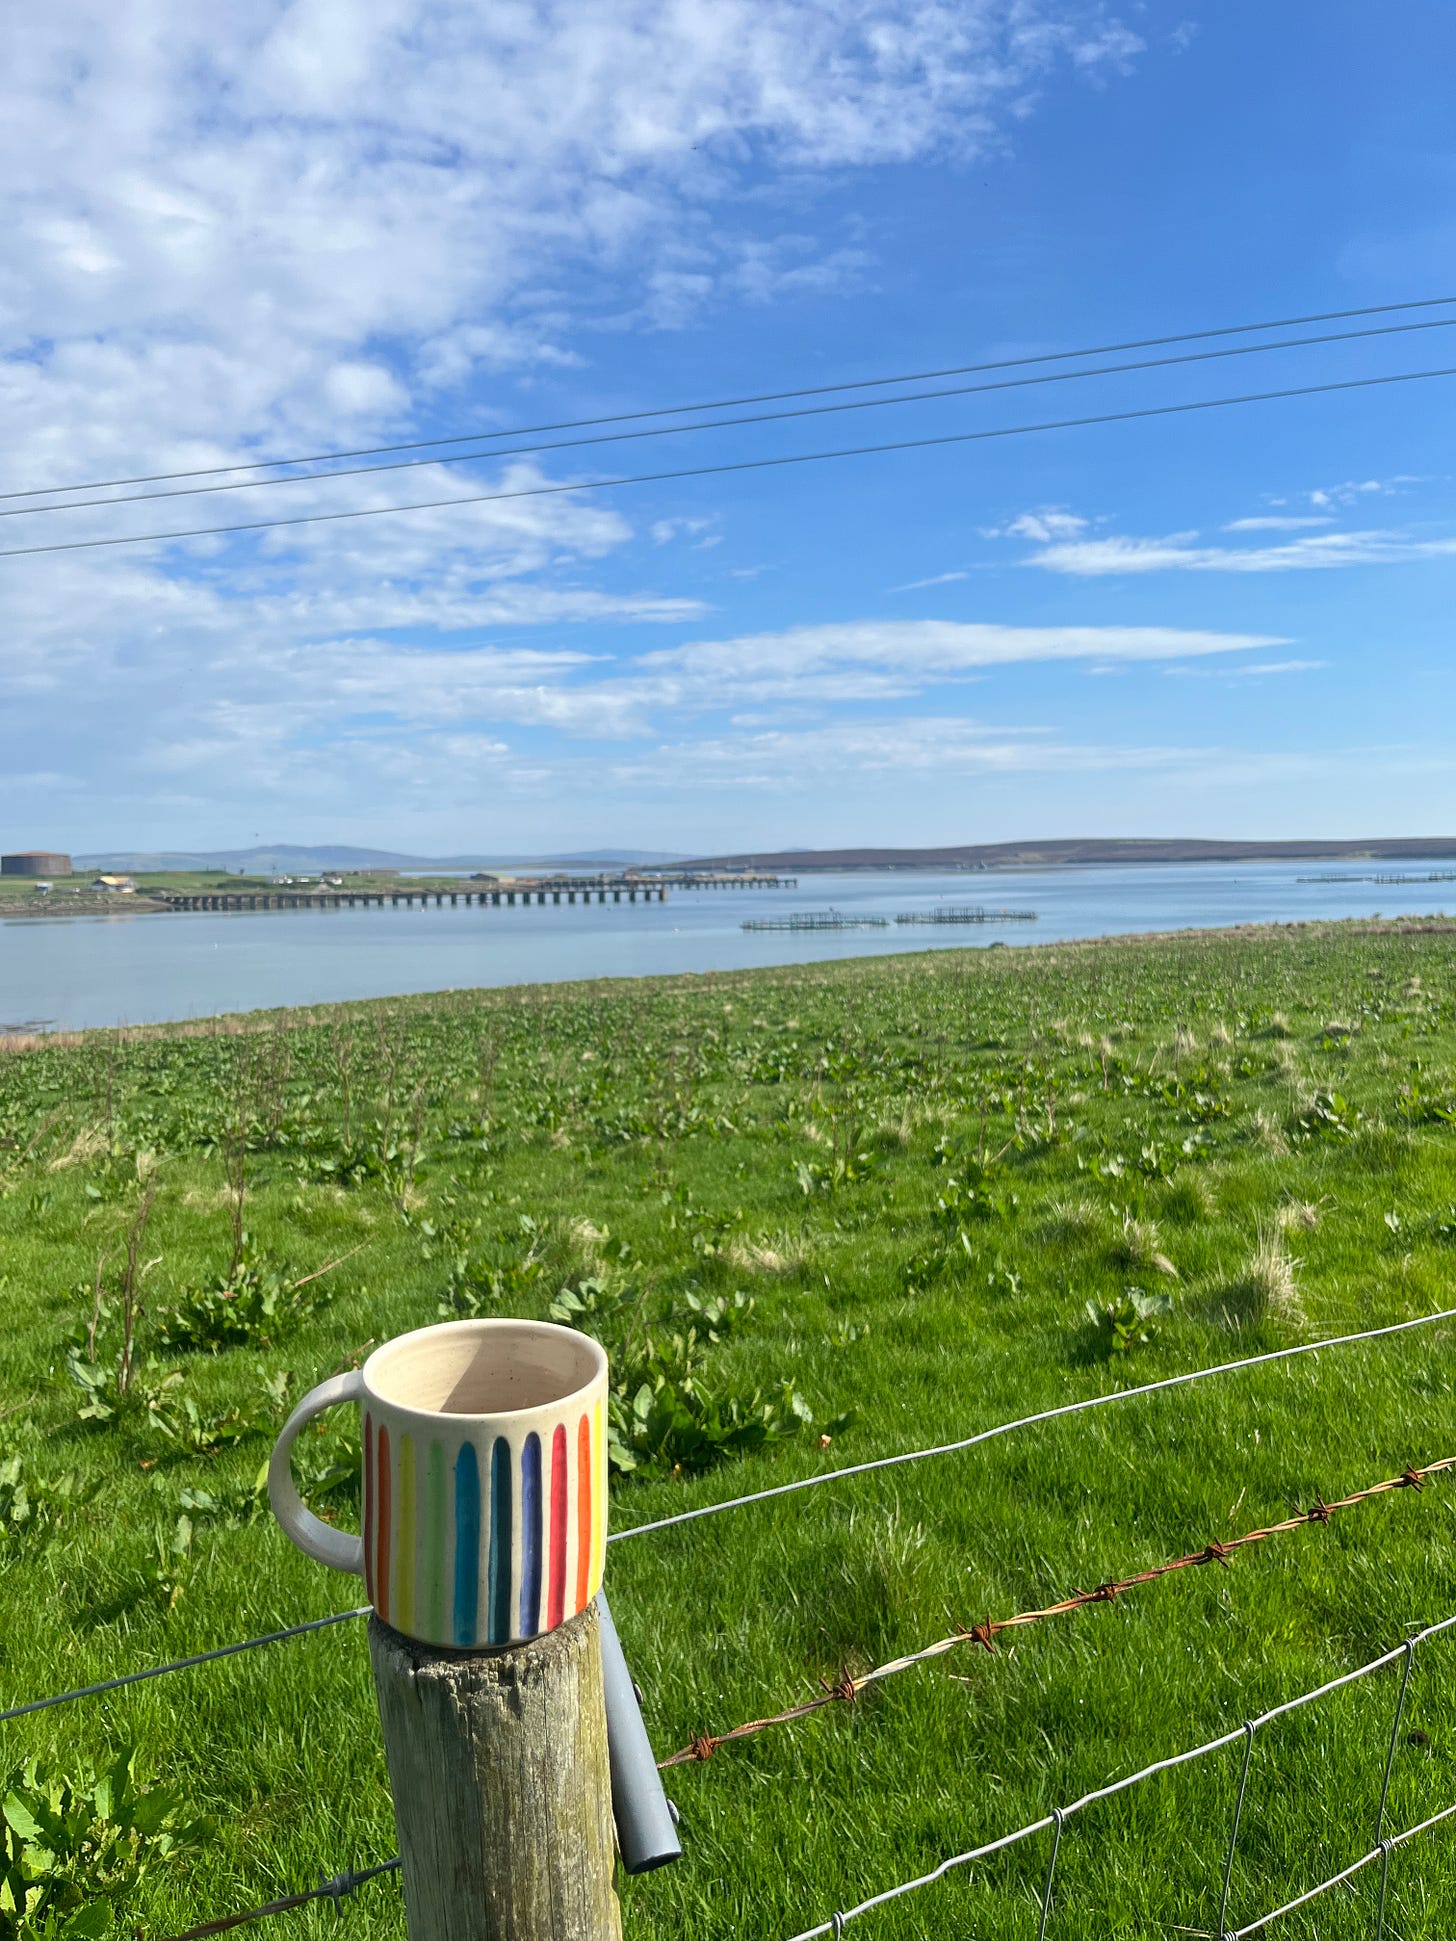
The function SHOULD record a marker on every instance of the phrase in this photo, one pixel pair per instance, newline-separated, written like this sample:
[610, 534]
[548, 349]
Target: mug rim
[487, 1324]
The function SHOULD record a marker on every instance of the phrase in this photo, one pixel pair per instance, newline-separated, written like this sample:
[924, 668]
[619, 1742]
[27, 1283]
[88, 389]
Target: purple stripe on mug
[485, 1466]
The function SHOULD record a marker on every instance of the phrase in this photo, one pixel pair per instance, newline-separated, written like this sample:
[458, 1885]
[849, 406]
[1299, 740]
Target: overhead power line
[728, 404]
[756, 418]
[737, 465]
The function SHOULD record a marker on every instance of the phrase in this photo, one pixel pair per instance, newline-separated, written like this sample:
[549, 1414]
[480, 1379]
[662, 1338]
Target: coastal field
[818, 1215]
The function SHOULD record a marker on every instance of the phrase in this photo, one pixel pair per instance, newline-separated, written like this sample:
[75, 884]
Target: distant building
[35, 862]
[115, 885]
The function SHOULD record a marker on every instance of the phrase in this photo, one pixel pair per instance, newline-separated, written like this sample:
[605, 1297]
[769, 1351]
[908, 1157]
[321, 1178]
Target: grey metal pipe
[646, 1828]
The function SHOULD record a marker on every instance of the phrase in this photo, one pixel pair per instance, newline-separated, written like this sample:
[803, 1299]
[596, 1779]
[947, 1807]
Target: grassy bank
[819, 1215]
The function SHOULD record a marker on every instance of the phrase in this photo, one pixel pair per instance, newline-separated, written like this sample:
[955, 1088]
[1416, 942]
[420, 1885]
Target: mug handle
[313, 1536]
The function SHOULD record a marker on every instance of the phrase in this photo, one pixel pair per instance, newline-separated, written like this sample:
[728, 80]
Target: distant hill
[293, 858]
[1061, 852]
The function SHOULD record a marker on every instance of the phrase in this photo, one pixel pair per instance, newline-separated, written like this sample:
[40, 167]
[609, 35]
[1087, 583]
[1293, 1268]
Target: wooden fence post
[502, 1793]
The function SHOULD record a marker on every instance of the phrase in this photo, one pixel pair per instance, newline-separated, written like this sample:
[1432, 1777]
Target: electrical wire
[756, 418]
[729, 404]
[738, 465]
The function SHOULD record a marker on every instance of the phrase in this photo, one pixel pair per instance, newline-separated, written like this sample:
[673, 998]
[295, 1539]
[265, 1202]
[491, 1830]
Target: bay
[70, 973]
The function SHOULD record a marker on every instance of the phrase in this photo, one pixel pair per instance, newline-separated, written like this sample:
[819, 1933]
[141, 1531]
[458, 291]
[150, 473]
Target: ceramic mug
[485, 1480]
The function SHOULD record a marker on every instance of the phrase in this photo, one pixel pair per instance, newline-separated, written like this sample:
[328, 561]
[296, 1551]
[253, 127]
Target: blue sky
[296, 228]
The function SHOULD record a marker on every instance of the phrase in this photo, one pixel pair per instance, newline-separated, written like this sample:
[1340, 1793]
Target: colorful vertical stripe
[475, 1544]
[556, 1586]
[369, 1506]
[383, 1521]
[434, 1559]
[599, 1548]
[405, 1566]
[531, 1536]
[501, 1557]
[583, 1511]
[466, 1629]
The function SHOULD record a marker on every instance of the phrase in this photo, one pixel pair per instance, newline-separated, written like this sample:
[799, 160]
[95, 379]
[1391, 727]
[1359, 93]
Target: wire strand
[847, 1690]
[728, 404]
[738, 465]
[182, 1664]
[1116, 1786]
[721, 424]
[1031, 1421]
[333, 1890]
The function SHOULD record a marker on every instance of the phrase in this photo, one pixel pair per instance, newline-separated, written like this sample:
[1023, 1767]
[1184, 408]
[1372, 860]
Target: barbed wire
[1055, 1821]
[1030, 1421]
[335, 1890]
[848, 1688]
[779, 1489]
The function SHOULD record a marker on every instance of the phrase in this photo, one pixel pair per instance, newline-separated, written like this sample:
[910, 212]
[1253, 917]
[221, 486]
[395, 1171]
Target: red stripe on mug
[556, 1590]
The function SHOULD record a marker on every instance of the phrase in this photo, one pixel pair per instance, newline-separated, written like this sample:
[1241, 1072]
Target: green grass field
[878, 1194]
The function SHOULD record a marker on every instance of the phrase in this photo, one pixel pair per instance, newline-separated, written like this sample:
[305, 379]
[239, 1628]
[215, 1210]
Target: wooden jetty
[816, 920]
[1430, 876]
[719, 880]
[579, 889]
[966, 913]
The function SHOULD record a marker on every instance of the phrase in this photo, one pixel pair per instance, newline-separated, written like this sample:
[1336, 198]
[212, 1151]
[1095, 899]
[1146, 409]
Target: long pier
[719, 880]
[581, 890]
[507, 890]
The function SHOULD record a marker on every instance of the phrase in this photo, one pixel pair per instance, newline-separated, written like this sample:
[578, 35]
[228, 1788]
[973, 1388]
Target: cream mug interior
[484, 1460]
[459, 1369]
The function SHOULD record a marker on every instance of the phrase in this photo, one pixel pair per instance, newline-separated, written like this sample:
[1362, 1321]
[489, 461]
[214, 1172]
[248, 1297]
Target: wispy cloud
[1279, 522]
[1248, 670]
[936, 579]
[792, 760]
[1048, 523]
[1178, 552]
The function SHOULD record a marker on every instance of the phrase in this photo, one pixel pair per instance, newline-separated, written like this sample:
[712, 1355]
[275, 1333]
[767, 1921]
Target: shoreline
[241, 1023]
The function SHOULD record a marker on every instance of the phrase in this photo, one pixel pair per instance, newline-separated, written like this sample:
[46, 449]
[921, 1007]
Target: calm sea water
[69, 972]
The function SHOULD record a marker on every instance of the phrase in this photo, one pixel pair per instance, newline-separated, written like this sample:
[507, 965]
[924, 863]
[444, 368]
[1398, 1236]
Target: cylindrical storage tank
[35, 862]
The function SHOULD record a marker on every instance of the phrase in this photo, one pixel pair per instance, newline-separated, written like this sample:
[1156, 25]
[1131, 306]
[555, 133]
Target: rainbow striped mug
[485, 1480]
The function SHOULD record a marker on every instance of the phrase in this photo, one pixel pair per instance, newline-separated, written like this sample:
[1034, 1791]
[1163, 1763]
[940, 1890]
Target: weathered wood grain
[502, 1794]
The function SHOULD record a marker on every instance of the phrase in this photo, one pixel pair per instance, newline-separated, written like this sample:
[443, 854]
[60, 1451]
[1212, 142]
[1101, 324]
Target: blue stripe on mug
[501, 1481]
[531, 1536]
[467, 1544]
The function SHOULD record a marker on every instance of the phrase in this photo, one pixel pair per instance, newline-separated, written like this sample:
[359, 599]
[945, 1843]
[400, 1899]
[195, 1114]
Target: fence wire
[985, 1633]
[335, 1890]
[763, 1495]
[1027, 1422]
[182, 1664]
[1055, 1821]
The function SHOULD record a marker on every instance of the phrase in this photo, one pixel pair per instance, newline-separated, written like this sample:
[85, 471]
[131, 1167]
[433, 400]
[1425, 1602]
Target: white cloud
[1279, 522]
[1351, 491]
[224, 210]
[924, 649]
[664, 530]
[936, 579]
[1050, 522]
[796, 760]
[296, 224]
[1248, 669]
[1117, 554]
